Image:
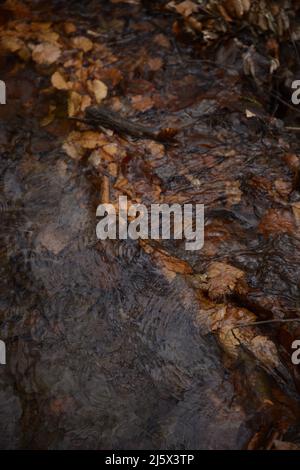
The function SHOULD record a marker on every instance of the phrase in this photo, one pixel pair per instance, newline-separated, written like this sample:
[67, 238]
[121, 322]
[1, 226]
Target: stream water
[103, 350]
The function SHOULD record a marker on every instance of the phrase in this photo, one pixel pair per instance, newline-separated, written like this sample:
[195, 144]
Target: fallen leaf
[223, 319]
[83, 43]
[69, 27]
[222, 279]
[110, 149]
[162, 41]
[50, 116]
[99, 89]
[292, 160]
[142, 103]
[46, 53]
[11, 44]
[284, 188]
[87, 139]
[238, 7]
[40, 26]
[74, 103]
[157, 150]
[86, 101]
[112, 75]
[186, 8]
[265, 351]
[58, 81]
[276, 221]
[155, 63]
[73, 150]
[48, 36]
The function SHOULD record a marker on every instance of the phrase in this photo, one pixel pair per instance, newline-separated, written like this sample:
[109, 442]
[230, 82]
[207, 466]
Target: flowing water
[103, 349]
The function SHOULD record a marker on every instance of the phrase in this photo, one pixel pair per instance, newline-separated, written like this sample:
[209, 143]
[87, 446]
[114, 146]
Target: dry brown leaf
[73, 150]
[142, 103]
[69, 27]
[83, 43]
[156, 149]
[46, 53]
[74, 103]
[50, 116]
[186, 8]
[11, 44]
[40, 26]
[222, 279]
[110, 149]
[283, 187]
[162, 41]
[261, 183]
[58, 81]
[88, 139]
[155, 63]
[48, 36]
[194, 24]
[265, 351]
[237, 7]
[86, 101]
[99, 89]
[223, 319]
[276, 221]
[75, 62]
[113, 76]
[77, 142]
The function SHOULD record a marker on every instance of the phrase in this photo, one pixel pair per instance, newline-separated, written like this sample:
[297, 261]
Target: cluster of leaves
[258, 28]
[67, 56]
[82, 67]
[213, 18]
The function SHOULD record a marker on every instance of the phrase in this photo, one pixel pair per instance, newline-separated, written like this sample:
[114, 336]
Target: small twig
[293, 129]
[265, 322]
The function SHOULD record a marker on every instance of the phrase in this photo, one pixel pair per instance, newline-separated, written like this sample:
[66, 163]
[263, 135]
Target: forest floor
[137, 344]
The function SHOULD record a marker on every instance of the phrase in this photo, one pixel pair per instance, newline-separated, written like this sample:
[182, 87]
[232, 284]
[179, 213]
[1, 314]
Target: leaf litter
[86, 71]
